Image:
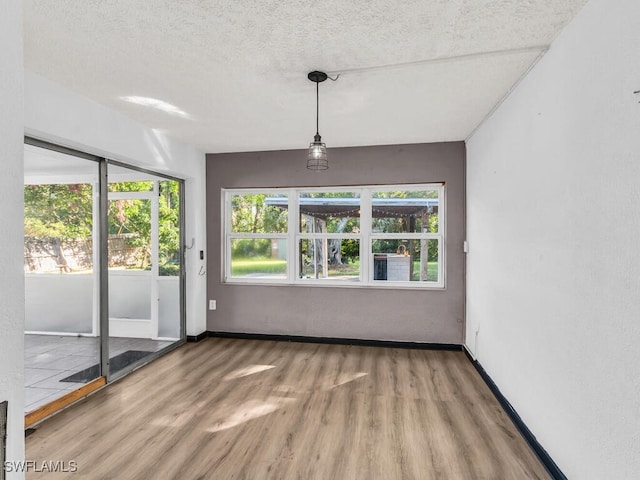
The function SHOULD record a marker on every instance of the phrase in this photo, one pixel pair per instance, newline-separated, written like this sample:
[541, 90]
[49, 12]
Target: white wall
[169, 307]
[553, 224]
[11, 284]
[58, 115]
[64, 303]
[59, 303]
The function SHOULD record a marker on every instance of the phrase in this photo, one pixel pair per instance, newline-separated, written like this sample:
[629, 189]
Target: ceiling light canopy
[317, 158]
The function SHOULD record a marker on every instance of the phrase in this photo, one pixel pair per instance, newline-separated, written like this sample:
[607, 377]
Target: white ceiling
[231, 75]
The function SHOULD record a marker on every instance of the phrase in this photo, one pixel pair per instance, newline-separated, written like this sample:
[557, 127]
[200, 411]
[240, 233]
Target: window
[257, 236]
[405, 239]
[358, 236]
[329, 235]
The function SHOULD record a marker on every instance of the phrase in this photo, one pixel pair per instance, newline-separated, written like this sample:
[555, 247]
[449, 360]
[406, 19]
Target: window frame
[439, 236]
[366, 237]
[228, 235]
[327, 236]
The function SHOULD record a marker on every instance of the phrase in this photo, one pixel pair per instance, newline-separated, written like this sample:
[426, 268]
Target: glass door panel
[62, 334]
[169, 260]
[67, 276]
[130, 280]
[144, 246]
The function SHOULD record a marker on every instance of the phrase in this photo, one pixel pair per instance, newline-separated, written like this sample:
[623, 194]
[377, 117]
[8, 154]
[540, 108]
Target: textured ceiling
[228, 75]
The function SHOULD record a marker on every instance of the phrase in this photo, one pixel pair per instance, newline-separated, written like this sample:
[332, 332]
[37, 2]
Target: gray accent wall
[372, 313]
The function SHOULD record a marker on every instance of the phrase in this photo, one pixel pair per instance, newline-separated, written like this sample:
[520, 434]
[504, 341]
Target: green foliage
[66, 212]
[350, 249]
[391, 224]
[58, 211]
[131, 186]
[386, 246]
[132, 217]
[406, 194]
[169, 223]
[251, 214]
[250, 247]
[169, 270]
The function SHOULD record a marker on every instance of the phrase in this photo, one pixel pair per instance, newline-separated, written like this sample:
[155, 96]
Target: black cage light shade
[317, 157]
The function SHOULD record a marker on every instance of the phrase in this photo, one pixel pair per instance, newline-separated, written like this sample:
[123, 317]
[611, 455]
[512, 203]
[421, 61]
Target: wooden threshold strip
[52, 407]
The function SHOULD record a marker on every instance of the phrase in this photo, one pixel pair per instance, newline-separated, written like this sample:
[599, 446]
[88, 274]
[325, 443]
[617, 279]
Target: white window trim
[228, 235]
[366, 238]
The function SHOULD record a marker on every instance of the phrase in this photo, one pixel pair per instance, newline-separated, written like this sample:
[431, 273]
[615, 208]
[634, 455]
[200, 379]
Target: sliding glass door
[144, 265]
[61, 274]
[103, 269]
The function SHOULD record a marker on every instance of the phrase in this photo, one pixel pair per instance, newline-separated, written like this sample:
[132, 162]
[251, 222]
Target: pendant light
[317, 158]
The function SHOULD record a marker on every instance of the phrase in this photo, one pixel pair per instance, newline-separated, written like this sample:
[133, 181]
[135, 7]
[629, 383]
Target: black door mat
[116, 363]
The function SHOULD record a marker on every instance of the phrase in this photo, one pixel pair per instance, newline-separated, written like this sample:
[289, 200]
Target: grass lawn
[432, 271]
[345, 270]
[241, 267]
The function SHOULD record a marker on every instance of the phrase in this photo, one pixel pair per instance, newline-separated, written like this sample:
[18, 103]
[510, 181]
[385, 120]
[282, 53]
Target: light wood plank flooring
[237, 409]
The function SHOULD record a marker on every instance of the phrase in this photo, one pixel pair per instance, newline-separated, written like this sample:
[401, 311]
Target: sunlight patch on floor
[342, 379]
[249, 410]
[246, 371]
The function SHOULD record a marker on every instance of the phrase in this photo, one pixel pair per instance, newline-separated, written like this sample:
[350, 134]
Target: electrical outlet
[212, 304]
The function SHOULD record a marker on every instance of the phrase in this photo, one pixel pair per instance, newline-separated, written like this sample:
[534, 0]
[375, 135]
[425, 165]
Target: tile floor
[50, 358]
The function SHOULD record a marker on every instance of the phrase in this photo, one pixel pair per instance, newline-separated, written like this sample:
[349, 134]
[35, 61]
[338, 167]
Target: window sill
[334, 284]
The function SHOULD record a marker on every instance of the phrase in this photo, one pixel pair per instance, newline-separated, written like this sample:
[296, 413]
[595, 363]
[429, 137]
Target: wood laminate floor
[241, 409]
